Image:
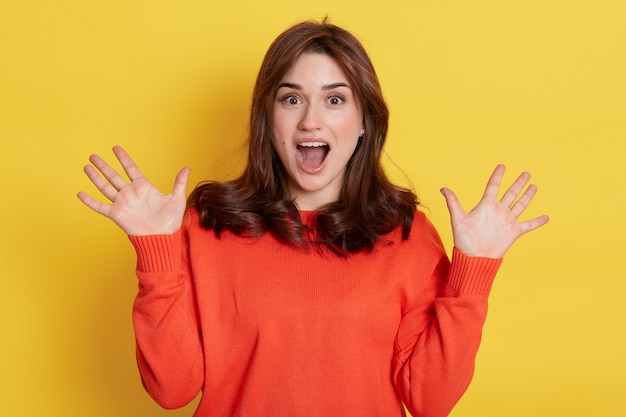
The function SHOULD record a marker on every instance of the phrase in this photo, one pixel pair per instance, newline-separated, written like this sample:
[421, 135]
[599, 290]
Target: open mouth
[313, 154]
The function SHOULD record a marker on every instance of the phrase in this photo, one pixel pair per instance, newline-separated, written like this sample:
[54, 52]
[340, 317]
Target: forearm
[169, 353]
[435, 365]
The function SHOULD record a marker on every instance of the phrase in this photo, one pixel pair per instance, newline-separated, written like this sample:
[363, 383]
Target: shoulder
[422, 224]
[191, 218]
[424, 234]
[192, 223]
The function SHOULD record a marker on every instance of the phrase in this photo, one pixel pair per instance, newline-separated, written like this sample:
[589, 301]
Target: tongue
[313, 156]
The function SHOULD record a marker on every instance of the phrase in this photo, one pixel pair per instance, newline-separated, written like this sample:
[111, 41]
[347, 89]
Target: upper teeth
[312, 144]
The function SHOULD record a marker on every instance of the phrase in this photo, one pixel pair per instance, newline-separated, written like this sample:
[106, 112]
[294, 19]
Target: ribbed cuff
[157, 253]
[472, 275]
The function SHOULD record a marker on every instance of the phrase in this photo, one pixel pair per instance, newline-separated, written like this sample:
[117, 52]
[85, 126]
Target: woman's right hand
[136, 206]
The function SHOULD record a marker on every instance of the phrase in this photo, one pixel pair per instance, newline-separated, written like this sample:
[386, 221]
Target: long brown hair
[369, 205]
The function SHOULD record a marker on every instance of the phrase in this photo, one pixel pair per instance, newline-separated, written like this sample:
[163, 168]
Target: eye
[335, 100]
[291, 100]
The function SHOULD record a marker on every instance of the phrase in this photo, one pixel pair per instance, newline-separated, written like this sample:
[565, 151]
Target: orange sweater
[268, 330]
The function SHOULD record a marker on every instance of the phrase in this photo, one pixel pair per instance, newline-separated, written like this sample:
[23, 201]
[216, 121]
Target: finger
[521, 204]
[493, 184]
[180, 183]
[515, 189]
[109, 173]
[454, 206]
[130, 167]
[108, 190]
[533, 224]
[93, 204]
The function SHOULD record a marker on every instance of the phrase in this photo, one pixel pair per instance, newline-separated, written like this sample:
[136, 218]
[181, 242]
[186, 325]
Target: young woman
[311, 285]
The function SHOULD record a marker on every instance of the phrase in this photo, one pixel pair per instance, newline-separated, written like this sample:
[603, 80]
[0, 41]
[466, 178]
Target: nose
[311, 118]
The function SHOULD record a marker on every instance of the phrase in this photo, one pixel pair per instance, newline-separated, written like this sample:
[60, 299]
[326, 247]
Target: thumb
[454, 206]
[180, 183]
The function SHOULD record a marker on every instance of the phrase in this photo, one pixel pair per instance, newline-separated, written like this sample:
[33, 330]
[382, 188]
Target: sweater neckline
[308, 215]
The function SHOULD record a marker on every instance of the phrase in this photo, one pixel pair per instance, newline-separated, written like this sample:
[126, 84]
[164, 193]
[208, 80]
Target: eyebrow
[325, 87]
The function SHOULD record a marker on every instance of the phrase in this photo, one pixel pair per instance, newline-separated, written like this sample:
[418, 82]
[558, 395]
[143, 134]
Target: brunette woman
[310, 285]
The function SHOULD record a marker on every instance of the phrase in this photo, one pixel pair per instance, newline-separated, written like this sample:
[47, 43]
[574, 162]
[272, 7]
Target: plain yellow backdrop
[537, 85]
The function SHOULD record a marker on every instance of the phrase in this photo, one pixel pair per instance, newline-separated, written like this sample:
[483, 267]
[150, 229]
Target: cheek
[281, 123]
[351, 123]
[279, 146]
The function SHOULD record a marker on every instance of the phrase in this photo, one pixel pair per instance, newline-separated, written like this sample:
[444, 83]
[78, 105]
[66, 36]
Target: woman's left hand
[491, 227]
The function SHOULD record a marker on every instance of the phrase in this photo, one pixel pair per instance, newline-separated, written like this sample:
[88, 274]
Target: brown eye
[291, 100]
[335, 100]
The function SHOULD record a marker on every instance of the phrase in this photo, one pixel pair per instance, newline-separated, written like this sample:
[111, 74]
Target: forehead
[313, 68]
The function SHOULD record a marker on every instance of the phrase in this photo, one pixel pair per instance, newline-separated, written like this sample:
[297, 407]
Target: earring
[362, 132]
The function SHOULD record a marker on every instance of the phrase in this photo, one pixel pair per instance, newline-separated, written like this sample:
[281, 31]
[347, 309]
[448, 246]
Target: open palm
[136, 206]
[492, 227]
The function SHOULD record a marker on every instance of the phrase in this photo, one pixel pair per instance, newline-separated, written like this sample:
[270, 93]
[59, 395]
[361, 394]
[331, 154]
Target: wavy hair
[369, 205]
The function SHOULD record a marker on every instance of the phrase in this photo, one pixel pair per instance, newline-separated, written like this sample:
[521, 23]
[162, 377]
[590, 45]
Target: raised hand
[491, 227]
[136, 206]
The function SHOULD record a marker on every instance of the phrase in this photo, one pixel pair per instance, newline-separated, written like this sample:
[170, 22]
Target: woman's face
[316, 126]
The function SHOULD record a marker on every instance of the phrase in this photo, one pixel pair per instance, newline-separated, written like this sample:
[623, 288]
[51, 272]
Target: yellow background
[539, 85]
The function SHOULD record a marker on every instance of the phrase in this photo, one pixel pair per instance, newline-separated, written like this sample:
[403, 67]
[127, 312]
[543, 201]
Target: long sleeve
[437, 342]
[169, 350]
[267, 329]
